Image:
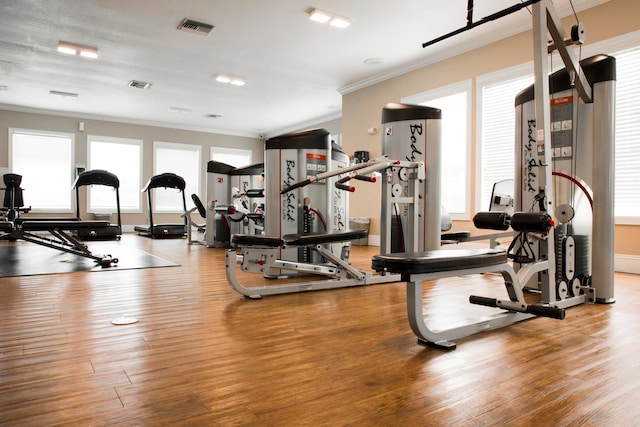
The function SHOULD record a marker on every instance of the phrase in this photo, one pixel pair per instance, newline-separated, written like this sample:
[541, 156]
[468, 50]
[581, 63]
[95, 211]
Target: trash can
[356, 223]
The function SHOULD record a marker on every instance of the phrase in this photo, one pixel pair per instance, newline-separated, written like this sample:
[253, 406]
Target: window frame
[610, 46]
[37, 132]
[423, 98]
[190, 188]
[229, 150]
[489, 79]
[117, 140]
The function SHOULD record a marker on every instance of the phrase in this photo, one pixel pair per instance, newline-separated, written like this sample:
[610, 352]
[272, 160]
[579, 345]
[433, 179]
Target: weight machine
[263, 254]
[235, 202]
[536, 255]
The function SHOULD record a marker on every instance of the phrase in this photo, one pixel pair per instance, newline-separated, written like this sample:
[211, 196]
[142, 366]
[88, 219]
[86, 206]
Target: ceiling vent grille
[191, 26]
[212, 116]
[139, 85]
[63, 94]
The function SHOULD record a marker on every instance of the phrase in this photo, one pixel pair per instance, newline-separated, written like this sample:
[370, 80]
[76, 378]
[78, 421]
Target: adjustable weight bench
[417, 267]
[259, 255]
[15, 228]
[62, 240]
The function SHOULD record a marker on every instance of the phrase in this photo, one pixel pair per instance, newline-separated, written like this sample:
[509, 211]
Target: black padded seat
[320, 238]
[459, 236]
[256, 240]
[62, 225]
[6, 226]
[408, 263]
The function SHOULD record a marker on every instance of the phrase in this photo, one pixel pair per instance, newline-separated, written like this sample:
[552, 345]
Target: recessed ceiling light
[139, 84]
[320, 16]
[77, 49]
[324, 17]
[225, 78]
[63, 94]
[374, 61]
[340, 22]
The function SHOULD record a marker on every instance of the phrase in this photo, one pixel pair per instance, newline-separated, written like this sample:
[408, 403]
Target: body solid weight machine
[326, 251]
[535, 254]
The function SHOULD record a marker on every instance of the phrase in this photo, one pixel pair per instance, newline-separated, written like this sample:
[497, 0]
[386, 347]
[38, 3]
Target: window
[45, 161]
[184, 161]
[122, 157]
[627, 172]
[498, 91]
[455, 102]
[496, 118]
[236, 157]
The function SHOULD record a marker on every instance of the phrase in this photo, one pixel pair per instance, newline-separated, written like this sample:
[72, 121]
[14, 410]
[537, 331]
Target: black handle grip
[345, 187]
[296, 185]
[254, 193]
[365, 178]
[489, 302]
[225, 209]
[546, 311]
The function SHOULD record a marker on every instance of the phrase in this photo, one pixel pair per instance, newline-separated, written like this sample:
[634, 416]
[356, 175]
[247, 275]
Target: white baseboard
[627, 263]
[622, 263]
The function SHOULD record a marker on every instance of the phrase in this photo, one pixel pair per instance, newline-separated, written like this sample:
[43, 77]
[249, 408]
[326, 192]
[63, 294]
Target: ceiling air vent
[212, 116]
[191, 26]
[139, 85]
[63, 94]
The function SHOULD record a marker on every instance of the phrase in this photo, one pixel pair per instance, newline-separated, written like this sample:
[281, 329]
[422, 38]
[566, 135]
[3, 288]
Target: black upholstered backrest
[13, 191]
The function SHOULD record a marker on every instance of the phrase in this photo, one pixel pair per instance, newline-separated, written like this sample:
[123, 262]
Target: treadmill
[165, 180]
[99, 177]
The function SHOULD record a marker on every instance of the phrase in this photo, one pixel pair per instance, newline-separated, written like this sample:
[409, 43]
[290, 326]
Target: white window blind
[454, 101]
[45, 161]
[627, 150]
[497, 132]
[237, 157]
[184, 161]
[123, 158]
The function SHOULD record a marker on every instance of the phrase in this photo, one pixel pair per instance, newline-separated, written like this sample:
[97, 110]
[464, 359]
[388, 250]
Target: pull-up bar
[471, 24]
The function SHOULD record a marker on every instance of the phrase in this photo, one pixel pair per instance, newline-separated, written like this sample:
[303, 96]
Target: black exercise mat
[27, 259]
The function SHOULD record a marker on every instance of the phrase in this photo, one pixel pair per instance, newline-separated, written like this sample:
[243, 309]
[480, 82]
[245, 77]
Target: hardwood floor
[202, 355]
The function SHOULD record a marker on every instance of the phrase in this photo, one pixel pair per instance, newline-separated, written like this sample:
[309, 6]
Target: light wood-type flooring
[201, 355]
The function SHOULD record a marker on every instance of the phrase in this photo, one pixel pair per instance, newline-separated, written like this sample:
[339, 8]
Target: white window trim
[117, 140]
[442, 91]
[72, 137]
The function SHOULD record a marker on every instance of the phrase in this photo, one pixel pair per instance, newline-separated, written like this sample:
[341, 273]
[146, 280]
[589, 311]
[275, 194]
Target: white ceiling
[295, 69]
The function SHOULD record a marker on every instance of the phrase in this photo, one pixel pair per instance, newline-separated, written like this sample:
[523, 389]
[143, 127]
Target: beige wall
[148, 134]
[362, 109]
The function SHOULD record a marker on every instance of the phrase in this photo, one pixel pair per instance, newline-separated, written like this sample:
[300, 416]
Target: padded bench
[416, 268]
[62, 225]
[408, 263]
[297, 239]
